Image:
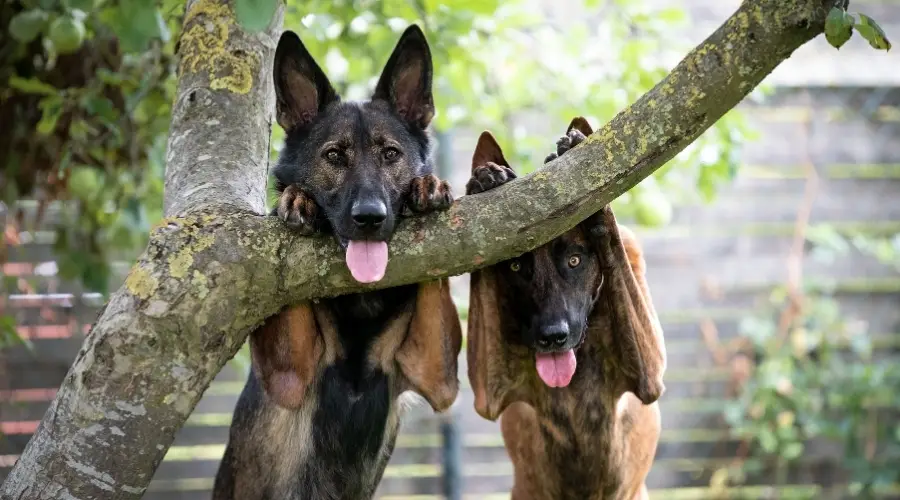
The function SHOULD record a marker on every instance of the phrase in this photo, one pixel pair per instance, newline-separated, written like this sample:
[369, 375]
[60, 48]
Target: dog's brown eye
[574, 260]
[515, 266]
[390, 153]
[332, 155]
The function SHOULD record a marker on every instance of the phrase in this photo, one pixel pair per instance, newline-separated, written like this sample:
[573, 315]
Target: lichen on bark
[204, 47]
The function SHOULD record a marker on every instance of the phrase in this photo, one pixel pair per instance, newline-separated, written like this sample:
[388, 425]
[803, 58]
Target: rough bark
[210, 275]
[218, 148]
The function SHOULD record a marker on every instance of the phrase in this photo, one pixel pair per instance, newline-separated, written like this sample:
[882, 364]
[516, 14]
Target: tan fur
[288, 431]
[427, 359]
[421, 345]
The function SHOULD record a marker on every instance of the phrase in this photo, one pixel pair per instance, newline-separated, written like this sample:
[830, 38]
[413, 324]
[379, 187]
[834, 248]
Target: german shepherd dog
[319, 414]
[564, 342]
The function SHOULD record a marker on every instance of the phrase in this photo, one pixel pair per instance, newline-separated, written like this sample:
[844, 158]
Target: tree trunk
[218, 268]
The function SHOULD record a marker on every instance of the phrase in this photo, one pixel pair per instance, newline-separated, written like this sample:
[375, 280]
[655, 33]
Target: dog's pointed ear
[580, 124]
[488, 150]
[428, 356]
[490, 359]
[302, 90]
[636, 335]
[286, 353]
[405, 82]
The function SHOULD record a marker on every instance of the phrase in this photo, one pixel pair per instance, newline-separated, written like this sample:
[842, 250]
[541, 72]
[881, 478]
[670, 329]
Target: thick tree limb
[209, 277]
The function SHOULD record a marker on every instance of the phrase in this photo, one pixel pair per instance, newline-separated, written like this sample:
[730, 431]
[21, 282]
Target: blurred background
[773, 242]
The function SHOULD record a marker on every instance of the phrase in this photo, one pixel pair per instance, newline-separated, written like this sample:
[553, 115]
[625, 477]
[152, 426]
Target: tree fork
[216, 268]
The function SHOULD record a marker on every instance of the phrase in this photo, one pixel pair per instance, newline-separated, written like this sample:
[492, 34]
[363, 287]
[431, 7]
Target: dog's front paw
[489, 176]
[428, 194]
[565, 143]
[298, 210]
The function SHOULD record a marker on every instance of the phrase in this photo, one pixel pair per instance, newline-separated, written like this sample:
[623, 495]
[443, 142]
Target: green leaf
[792, 451]
[767, 440]
[51, 110]
[86, 6]
[872, 32]
[838, 27]
[27, 25]
[66, 33]
[32, 86]
[136, 22]
[84, 182]
[255, 15]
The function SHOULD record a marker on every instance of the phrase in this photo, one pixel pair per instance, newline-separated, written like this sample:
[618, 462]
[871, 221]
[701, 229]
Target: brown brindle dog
[564, 342]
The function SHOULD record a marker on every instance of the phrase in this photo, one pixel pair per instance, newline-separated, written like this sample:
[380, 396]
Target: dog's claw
[428, 194]
[488, 176]
[298, 210]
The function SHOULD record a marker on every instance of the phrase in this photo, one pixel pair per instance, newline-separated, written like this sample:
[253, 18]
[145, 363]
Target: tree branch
[209, 277]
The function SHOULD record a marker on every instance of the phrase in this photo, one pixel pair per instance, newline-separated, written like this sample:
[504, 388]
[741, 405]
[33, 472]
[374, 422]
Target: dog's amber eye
[574, 260]
[390, 153]
[332, 155]
[515, 266]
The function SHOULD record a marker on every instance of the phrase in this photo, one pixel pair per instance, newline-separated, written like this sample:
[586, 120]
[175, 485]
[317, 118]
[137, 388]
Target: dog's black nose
[369, 213]
[554, 335]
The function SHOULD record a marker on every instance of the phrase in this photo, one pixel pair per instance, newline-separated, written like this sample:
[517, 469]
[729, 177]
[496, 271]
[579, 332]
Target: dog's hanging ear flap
[286, 352]
[637, 336]
[580, 124]
[428, 356]
[405, 82]
[302, 90]
[492, 362]
[487, 355]
[488, 150]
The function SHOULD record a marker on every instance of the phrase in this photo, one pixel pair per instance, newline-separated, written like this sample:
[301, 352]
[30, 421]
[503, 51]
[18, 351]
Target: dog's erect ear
[302, 90]
[405, 82]
[286, 352]
[490, 359]
[580, 124]
[428, 356]
[636, 335]
[487, 150]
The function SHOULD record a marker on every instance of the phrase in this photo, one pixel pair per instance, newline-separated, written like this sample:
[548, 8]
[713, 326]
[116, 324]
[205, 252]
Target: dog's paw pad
[428, 194]
[489, 176]
[298, 210]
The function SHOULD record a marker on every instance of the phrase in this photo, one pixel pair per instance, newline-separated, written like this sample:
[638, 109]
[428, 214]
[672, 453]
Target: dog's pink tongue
[367, 260]
[556, 368]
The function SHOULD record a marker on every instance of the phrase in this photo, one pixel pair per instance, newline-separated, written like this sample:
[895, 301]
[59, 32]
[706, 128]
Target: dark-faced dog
[564, 342]
[319, 414]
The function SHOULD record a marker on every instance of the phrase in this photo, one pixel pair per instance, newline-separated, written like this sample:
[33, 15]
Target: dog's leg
[298, 210]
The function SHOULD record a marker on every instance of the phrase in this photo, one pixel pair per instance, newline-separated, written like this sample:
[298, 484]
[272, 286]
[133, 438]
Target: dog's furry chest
[351, 437]
[580, 448]
[337, 444]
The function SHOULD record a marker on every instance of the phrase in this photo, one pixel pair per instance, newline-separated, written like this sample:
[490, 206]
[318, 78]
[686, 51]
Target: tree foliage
[89, 86]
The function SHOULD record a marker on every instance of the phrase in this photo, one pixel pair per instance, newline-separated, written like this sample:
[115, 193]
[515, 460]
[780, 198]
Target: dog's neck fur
[580, 443]
[337, 445]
